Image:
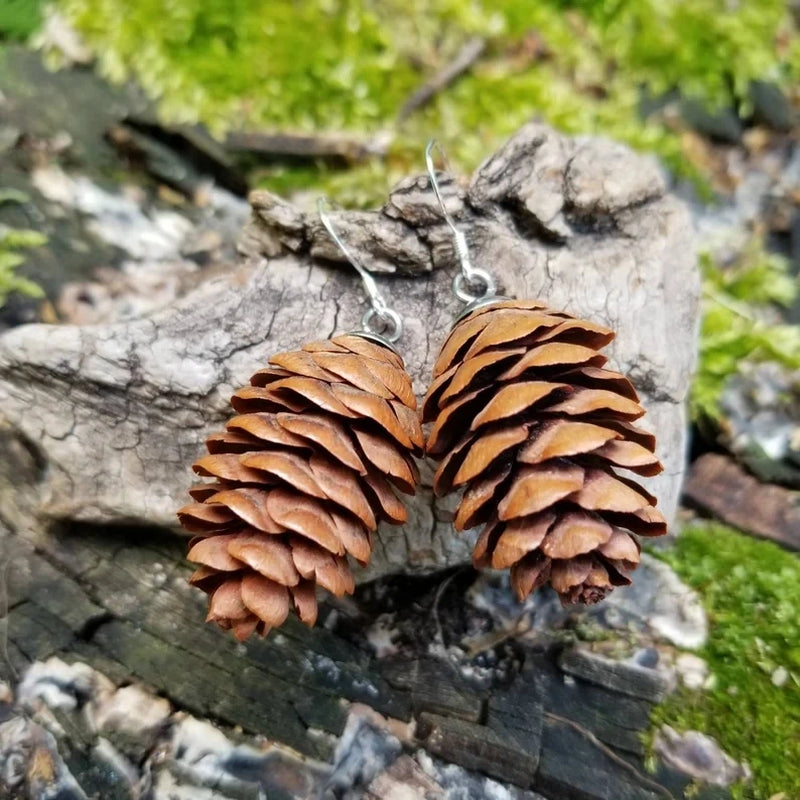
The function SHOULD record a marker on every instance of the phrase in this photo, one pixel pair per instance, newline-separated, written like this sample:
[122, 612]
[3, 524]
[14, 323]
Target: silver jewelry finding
[379, 321]
[472, 283]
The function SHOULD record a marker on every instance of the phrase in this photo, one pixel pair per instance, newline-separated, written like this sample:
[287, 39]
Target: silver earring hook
[379, 320]
[465, 283]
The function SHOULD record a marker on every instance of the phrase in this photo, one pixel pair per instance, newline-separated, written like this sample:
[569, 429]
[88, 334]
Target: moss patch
[19, 18]
[12, 242]
[751, 590]
[350, 64]
[741, 323]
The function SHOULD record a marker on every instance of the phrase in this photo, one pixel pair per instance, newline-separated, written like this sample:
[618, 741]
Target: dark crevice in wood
[93, 625]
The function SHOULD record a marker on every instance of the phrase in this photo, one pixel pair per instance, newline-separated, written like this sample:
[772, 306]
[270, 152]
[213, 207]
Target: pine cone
[301, 478]
[526, 418]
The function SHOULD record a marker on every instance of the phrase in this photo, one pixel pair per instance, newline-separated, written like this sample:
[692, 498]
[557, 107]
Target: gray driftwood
[114, 414]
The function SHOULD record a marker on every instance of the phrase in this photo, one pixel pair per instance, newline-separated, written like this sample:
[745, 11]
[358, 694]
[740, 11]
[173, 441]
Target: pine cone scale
[213, 552]
[301, 514]
[249, 506]
[509, 327]
[574, 534]
[518, 538]
[388, 459]
[353, 369]
[226, 602]
[534, 489]
[477, 503]
[512, 400]
[485, 450]
[629, 455]
[559, 438]
[267, 556]
[265, 429]
[265, 599]
[324, 432]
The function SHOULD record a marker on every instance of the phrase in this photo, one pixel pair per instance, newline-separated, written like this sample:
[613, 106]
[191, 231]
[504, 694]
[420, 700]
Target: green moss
[751, 590]
[19, 18]
[12, 241]
[739, 325]
[350, 64]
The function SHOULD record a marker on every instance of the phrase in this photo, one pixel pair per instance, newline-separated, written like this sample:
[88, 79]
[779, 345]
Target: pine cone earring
[530, 424]
[301, 477]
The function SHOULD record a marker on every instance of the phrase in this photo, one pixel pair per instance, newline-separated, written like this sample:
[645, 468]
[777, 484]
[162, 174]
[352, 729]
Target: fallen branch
[336, 147]
[463, 62]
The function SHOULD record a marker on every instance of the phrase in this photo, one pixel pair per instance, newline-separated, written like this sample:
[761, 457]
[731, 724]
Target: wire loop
[386, 324]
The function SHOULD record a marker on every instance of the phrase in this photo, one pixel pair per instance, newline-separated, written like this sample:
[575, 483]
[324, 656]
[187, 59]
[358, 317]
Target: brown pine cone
[528, 420]
[301, 479]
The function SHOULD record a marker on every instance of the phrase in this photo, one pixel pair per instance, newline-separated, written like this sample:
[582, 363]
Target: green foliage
[350, 65]
[12, 240]
[736, 324]
[751, 590]
[19, 18]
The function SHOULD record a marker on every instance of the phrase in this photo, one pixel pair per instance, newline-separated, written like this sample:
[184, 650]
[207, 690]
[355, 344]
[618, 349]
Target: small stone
[201, 245]
[119, 770]
[722, 125]
[760, 405]
[381, 635]
[133, 718]
[458, 783]
[364, 751]
[692, 670]
[657, 602]
[646, 657]
[698, 756]
[771, 106]
[403, 780]
[203, 757]
[59, 685]
[404, 731]
[780, 676]
[29, 758]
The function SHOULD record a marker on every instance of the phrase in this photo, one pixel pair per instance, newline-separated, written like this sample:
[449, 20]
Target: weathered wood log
[294, 716]
[113, 414]
[718, 486]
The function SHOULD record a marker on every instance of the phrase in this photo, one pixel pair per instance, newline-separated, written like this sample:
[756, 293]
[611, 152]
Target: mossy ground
[333, 65]
[751, 589]
[19, 18]
[13, 243]
[741, 307]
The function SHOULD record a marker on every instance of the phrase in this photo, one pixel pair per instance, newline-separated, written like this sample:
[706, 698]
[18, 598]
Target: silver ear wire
[465, 283]
[379, 320]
